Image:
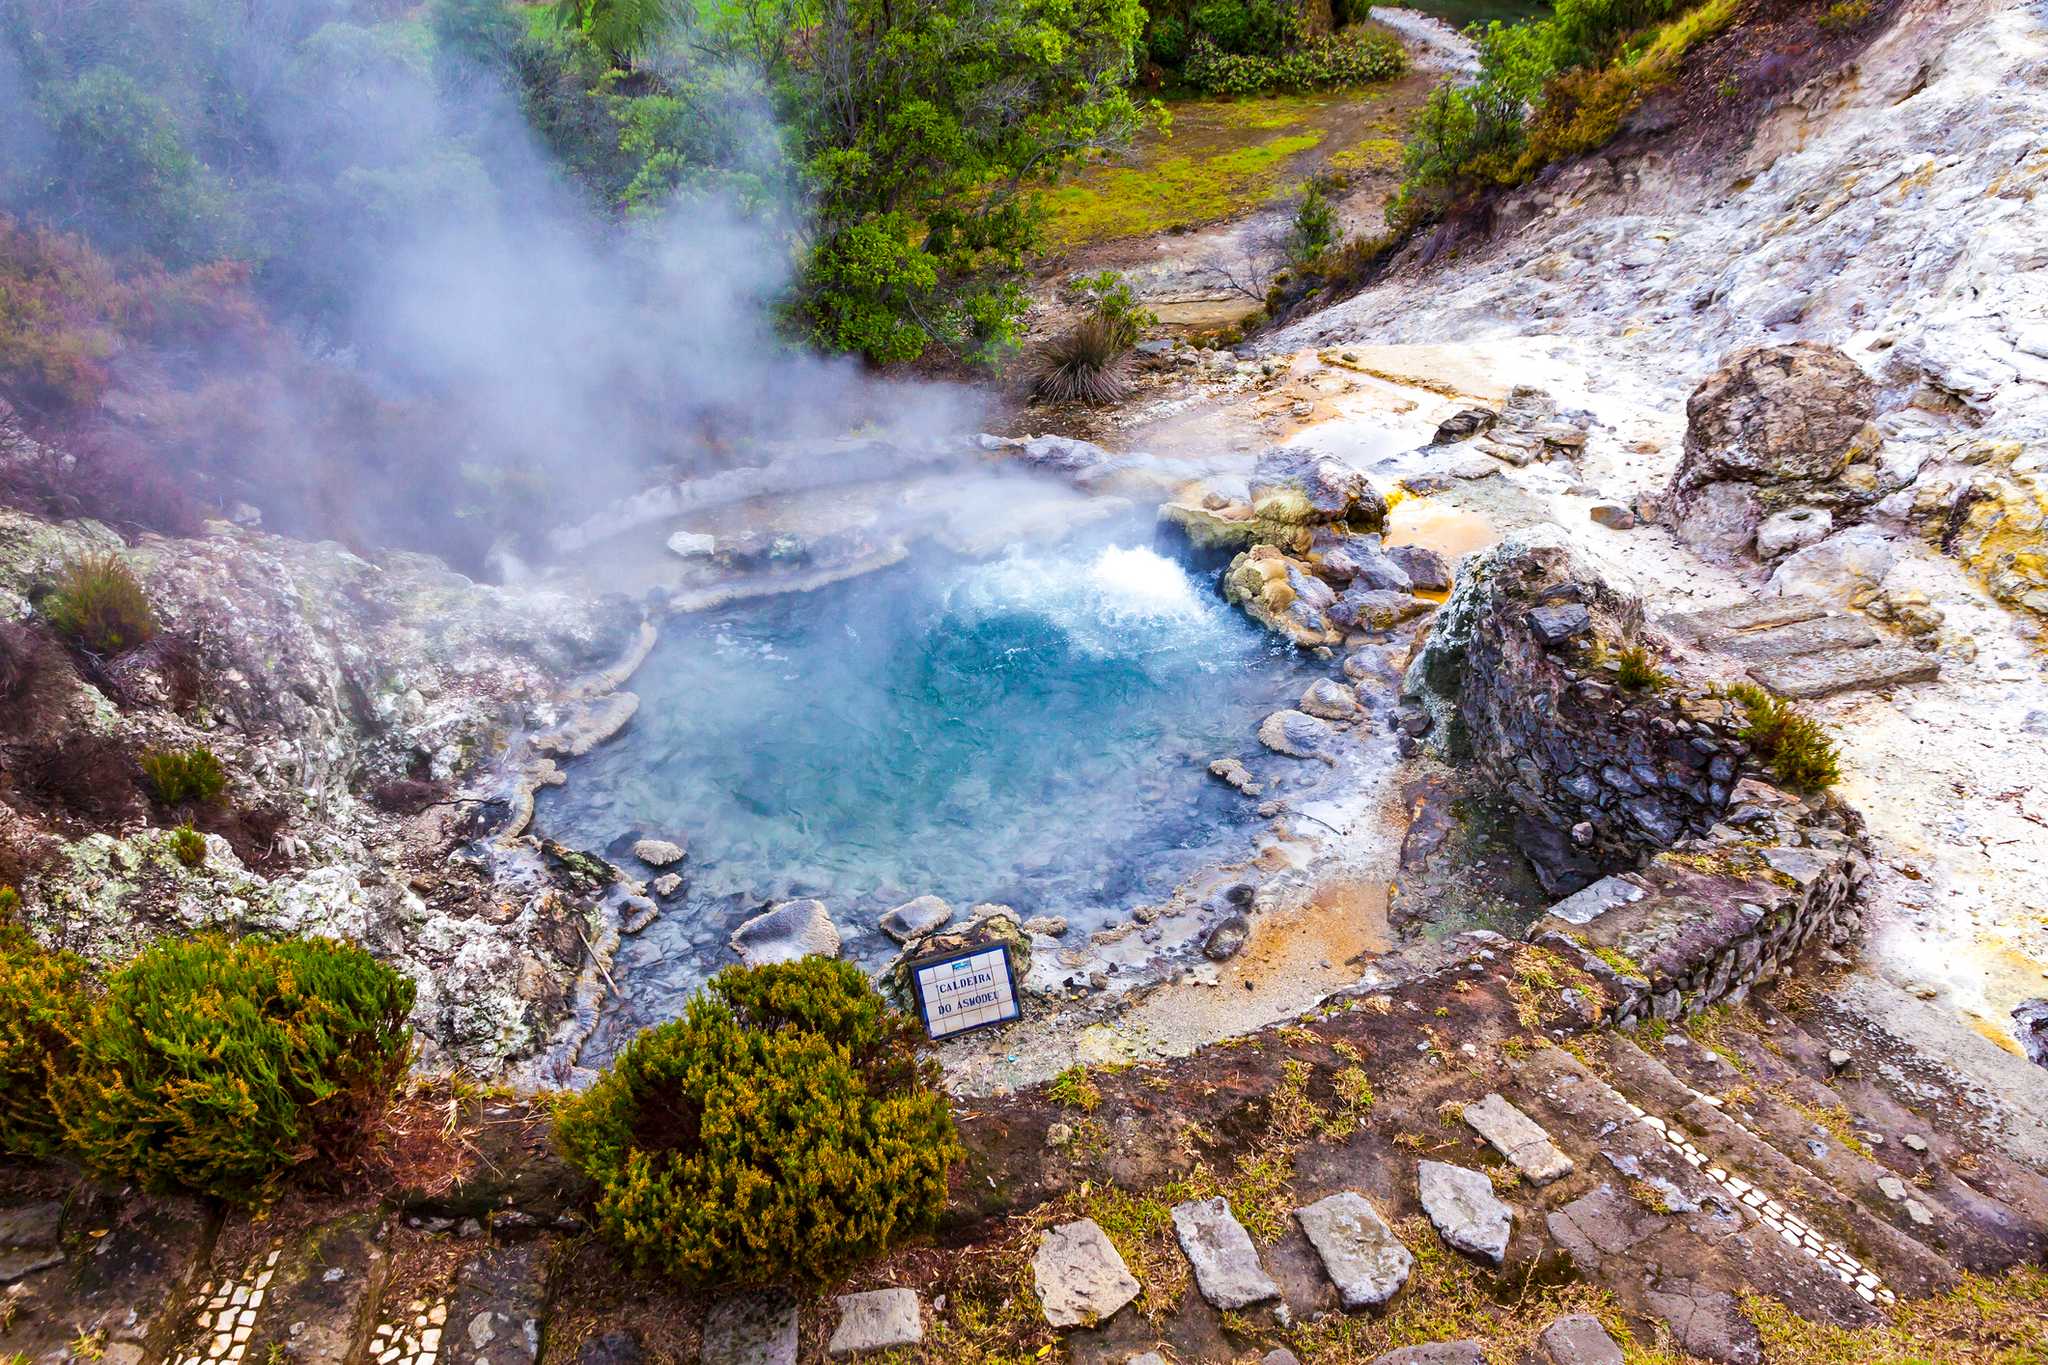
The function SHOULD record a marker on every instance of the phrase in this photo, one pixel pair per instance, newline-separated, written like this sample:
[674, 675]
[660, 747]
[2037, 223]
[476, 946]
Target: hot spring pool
[1034, 730]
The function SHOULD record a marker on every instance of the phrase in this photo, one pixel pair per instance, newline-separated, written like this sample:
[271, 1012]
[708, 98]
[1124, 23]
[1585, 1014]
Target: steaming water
[1033, 730]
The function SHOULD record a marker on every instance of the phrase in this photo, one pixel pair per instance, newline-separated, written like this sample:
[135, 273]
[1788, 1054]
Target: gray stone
[1227, 939]
[1435, 1353]
[1427, 570]
[1360, 1253]
[1579, 1340]
[792, 930]
[666, 885]
[1292, 485]
[1555, 625]
[29, 1239]
[1838, 1060]
[1822, 634]
[1585, 906]
[1823, 675]
[1051, 926]
[1227, 1268]
[1360, 562]
[1795, 528]
[659, 852]
[1296, 735]
[1376, 608]
[1149, 1358]
[915, 918]
[1717, 624]
[1328, 699]
[1707, 1322]
[876, 1321]
[751, 1329]
[1467, 1215]
[1518, 1138]
[1914, 1142]
[612, 1348]
[1078, 1275]
[1837, 569]
[1279, 1356]
[1464, 425]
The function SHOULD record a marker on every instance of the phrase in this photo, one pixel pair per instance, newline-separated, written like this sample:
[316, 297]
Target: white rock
[1079, 1277]
[792, 930]
[1465, 1210]
[1360, 1253]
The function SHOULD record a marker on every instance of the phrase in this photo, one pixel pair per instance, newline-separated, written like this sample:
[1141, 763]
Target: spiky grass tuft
[1793, 745]
[1085, 364]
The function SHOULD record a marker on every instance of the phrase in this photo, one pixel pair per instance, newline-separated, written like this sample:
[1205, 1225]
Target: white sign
[969, 990]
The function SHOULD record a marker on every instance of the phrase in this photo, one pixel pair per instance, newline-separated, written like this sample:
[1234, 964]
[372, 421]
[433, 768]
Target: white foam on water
[1120, 600]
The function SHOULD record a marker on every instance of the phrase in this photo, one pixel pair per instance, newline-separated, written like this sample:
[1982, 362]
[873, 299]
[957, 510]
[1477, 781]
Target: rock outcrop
[1774, 429]
[1597, 776]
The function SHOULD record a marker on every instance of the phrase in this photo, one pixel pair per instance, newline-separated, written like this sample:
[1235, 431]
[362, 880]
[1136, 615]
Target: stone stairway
[1800, 647]
[1500, 1198]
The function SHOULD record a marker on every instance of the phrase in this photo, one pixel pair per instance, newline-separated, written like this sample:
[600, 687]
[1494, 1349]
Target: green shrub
[1798, 752]
[181, 777]
[784, 1125]
[44, 1006]
[1314, 230]
[213, 1065]
[100, 606]
[188, 846]
[1639, 671]
[1846, 14]
[1084, 364]
[1351, 58]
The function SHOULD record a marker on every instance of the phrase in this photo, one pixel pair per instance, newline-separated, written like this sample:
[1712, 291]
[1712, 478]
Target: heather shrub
[182, 777]
[188, 846]
[100, 606]
[1793, 745]
[44, 1005]
[213, 1064]
[784, 1125]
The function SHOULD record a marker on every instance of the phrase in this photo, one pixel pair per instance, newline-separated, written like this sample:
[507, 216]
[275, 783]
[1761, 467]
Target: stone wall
[1520, 676]
[1704, 922]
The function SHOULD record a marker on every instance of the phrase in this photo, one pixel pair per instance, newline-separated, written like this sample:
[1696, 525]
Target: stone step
[1819, 635]
[116, 1273]
[1360, 1252]
[1226, 1264]
[499, 1303]
[1906, 1266]
[1823, 675]
[1704, 628]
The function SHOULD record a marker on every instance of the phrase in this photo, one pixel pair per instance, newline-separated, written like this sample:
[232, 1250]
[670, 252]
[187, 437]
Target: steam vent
[1228, 683]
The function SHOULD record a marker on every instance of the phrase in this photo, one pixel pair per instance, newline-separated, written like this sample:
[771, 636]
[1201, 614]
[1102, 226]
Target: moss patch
[1174, 191]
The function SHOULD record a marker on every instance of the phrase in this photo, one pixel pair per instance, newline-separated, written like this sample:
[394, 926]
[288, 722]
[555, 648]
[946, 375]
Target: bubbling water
[1034, 729]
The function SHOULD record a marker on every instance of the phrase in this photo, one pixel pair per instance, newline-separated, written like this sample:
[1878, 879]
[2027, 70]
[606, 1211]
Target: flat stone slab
[1579, 1340]
[1823, 675]
[913, 919]
[792, 930]
[1435, 1353]
[1589, 903]
[1079, 1277]
[324, 1285]
[30, 1239]
[1467, 1215]
[1819, 635]
[1764, 613]
[1360, 1253]
[750, 1329]
[1518, 1138]
[1227, 1268]
[876, 1321]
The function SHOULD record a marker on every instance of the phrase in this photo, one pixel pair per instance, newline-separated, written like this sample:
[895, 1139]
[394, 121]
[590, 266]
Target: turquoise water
[1034, 730]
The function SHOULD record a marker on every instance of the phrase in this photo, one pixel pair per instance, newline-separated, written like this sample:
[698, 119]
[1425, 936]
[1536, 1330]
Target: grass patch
[1621, 962]
[99, 605]
[1984, 1320]
[1175, 191]
[185, 777]
[1639, 673]
[1073, 1089]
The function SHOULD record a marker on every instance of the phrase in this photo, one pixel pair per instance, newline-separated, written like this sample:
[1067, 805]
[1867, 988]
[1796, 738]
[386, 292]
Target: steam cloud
[462, 268]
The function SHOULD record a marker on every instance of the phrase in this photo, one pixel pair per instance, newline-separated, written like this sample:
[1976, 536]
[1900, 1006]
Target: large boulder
[1596, 776]
[1294, 486]
[1775, 427]
[1283, 594]
[987, 925]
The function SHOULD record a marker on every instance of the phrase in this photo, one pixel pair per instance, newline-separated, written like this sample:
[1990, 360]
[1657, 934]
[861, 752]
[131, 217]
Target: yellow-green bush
[1793, 745]
[785, 1125]
[188, 846]
[99, 604]
[213, 1065]
[43, 1010]
[182, 777]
